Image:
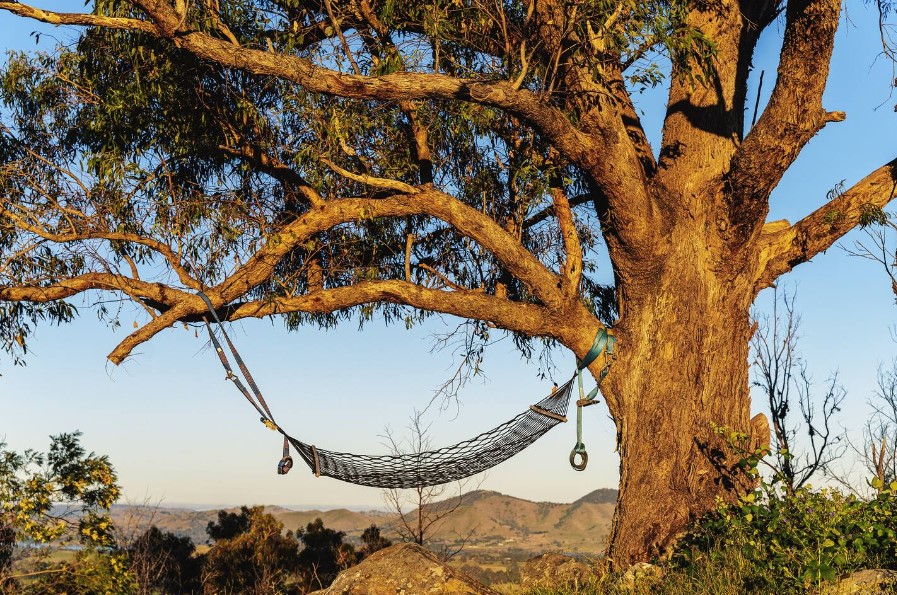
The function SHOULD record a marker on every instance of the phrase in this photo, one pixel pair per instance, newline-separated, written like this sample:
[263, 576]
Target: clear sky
[178, 433]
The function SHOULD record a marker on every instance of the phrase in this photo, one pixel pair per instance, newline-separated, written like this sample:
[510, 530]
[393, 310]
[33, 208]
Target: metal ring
[584, 456]
[284, 466]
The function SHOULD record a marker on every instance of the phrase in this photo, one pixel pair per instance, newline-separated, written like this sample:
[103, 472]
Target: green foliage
[373, 541]
[7, 547]
[130, 134]
[791, 543]
[53, 497]
[92, 572]
[31, 483]
[833, 216]
[230, 524]
[324, 554]
[18, 320]
[165, 563]
[259, 560]
[872, 215]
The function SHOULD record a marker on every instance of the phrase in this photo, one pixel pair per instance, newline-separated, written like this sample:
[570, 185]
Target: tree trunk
[682, 370]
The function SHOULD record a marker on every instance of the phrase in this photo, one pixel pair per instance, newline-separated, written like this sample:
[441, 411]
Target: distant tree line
[249, 553]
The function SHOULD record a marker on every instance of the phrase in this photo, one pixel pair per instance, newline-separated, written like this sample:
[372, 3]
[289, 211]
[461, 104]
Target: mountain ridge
[484, 519]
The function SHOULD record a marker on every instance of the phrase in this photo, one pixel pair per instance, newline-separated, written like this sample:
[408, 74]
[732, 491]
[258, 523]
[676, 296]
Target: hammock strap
[604, 343]
[229, 373]
[258, 402]
[601, 342]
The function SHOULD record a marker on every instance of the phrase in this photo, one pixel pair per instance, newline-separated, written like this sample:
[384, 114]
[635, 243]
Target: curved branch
[467, 220]
[176, 305]
[703, 120]
[783, 249]
[531, 319]
[60, 238]
[275, 168]
[549, 211]
[376, 182]
[67, 288]
[571, 269]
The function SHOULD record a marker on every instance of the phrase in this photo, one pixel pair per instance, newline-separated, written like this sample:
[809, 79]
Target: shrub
[792, 542]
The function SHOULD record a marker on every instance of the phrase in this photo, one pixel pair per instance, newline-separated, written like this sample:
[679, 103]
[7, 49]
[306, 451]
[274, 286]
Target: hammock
[434, 467]
[446, 464]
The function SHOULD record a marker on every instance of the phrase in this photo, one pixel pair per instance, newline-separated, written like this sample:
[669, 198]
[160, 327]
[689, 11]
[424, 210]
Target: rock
[640, 573]
[556, 571]
[404, 569]
[864, 581]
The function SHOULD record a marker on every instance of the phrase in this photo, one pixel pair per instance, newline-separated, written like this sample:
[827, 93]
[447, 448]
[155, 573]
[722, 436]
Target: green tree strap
[604, 343]
[603, 340]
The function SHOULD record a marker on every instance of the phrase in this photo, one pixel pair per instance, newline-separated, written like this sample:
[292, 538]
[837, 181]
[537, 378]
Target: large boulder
[556, 571]
[404, 569]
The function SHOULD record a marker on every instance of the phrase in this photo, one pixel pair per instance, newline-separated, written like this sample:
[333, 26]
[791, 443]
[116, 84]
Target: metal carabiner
[284, 466]
[580, 450]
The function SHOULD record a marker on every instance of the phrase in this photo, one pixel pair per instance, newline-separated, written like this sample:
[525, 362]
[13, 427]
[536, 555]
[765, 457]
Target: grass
[707, 579]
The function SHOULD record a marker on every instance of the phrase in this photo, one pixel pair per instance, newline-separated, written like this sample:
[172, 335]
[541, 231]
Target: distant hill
[489, 521]
[600, 496]
[494, 519]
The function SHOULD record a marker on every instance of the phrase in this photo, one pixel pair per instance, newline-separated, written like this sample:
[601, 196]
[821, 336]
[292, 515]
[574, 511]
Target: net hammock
[433, 467]
[447, 464]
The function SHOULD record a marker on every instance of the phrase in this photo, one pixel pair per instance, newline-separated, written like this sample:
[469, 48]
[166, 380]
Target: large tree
[316, 161]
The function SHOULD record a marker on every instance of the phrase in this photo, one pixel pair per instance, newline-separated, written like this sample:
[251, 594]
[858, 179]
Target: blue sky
[178, 433]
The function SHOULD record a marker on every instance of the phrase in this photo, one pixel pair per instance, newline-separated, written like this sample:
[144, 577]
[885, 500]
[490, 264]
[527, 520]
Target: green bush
[790, 543]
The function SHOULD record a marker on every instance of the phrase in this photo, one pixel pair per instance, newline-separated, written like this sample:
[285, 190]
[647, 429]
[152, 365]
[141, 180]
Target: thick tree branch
[152, 292]
[576, 327]
[793, 116]
[601, 152]
[515, 316]
[704, 117]
[67, 288]
[178, 305]
[571, 269]
[631, 217]
[632, 123]
[586, 73]
[783, 249]
[468, 221]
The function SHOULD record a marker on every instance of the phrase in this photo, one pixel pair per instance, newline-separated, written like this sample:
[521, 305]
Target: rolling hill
[484, 520]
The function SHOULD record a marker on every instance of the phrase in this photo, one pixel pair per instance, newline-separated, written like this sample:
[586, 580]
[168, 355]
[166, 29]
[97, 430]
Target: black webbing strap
[258, 402]
[230, 373]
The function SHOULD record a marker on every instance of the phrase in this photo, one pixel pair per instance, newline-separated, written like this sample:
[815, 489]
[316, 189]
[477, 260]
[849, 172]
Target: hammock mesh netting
[446, 464]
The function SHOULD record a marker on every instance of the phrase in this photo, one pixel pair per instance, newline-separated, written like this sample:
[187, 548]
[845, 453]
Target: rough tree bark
[681, 370]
